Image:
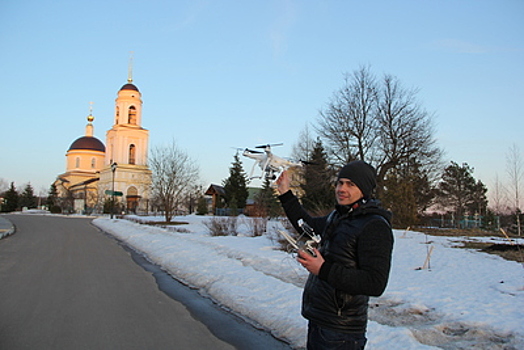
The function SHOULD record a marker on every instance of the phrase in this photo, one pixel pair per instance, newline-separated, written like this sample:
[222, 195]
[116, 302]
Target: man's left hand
[311, 263]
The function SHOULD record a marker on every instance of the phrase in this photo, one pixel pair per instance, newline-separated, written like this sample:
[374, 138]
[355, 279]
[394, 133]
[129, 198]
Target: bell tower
[127, 141]
[125, 173]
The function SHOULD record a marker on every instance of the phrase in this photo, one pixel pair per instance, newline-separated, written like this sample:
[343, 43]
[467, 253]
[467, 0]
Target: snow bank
[465, 299]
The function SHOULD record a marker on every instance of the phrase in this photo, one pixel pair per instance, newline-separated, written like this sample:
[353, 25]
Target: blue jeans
[328, 339]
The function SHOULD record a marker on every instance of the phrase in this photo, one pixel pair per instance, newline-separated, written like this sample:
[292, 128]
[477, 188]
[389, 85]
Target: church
[115, 173]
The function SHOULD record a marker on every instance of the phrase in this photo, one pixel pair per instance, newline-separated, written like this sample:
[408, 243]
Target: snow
[465, 299]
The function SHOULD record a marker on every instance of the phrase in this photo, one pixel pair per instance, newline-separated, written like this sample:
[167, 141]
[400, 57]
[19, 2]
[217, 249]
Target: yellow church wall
[126, 178]
[126, 99]
[118, 142]
[83, 159]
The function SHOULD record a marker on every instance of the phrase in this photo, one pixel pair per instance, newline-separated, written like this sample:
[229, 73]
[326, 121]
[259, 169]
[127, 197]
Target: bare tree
[405, 131]
[348, 123]
[302, 150]
[498, 198]
[4, 185]
[174, 174]
[304, 145]
[515, 169]
[381, 123]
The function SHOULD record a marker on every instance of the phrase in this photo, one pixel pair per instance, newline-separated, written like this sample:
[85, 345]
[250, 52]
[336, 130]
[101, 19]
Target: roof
[215, 189]
[86, 182]
[129, 86]
[88, 143]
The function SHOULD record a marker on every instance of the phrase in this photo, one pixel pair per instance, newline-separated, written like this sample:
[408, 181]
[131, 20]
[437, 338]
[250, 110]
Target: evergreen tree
[407, 193]
[52, 199]
[460, 192]
[28, 198]
[201, 206]
[10, 199]
[399, 197]
[479, 201]
[235, 186]
[318, 186]
[266, 202]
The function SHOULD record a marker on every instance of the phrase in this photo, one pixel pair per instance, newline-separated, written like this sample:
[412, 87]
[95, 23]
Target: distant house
[250, 203]
[216, 192]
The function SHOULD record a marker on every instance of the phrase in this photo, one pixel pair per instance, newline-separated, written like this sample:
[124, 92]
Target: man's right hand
[283, 182]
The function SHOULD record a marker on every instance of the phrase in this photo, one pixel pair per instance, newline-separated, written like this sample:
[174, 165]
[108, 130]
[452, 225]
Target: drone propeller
[269, 145]
[252, 151]
[245, 150]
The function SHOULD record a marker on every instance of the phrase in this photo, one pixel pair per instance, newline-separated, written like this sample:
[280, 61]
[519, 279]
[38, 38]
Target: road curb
[6, 227]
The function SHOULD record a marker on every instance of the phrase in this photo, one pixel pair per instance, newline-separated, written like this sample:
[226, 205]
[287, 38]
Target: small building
[217, 194]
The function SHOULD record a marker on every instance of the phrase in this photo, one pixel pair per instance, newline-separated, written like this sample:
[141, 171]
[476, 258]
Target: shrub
[55, 209]
[222, 226]
[258, 226]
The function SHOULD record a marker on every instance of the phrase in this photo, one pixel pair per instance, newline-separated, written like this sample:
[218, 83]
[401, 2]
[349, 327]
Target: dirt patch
[454, 232]
[513, 252]
[507, 251]
[165, 223]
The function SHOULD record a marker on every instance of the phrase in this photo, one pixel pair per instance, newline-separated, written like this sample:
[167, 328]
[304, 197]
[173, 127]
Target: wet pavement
[69, 286]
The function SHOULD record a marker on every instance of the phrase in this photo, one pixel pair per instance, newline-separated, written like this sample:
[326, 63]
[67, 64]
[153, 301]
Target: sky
[217, 75]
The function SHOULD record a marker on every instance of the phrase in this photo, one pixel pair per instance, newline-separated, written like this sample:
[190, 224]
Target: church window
[77, 165]
[93, 163]
[131, 118]
[132, 150]
[117, 114]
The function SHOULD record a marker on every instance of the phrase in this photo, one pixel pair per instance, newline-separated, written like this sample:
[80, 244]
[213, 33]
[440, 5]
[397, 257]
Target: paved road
[66, 285]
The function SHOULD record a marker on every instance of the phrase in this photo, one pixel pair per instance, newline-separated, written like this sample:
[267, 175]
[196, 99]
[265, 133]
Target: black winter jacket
[356, 244]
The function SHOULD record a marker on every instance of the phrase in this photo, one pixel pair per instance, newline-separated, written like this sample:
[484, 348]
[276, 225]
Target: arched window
[117, 114]
[132, 191]
[131, 116]
[93, 163]
[132, 151]
[77, 165]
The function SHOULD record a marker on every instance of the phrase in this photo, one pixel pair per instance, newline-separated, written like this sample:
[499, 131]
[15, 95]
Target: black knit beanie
[362, 174]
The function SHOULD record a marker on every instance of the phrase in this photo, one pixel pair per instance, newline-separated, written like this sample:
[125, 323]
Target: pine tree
[201, 206]
[266, 201]
[479, 201]
[10, 199]
[407, 193]
[460, 192]
[399, 197]
[52, 200]
[28, 198]
[235, 186]
[318, 186]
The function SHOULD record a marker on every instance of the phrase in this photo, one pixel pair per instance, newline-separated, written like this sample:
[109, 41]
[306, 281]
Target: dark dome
[88, 143]
[129, 86]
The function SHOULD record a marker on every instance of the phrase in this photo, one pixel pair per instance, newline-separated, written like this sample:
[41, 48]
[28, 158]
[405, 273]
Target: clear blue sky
[222, 74]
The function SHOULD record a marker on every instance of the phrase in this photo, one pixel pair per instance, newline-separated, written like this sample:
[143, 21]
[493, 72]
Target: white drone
[270, 164]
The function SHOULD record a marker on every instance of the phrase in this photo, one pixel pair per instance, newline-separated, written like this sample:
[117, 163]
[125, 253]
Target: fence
[466, 222]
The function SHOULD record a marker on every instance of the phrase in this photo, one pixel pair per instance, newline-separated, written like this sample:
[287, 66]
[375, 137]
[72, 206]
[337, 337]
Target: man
[352, 262]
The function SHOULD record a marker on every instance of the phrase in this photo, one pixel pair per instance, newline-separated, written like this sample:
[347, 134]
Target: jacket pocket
[342, 301]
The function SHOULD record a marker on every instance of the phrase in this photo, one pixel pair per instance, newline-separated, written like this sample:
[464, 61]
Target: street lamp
[113, 169]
